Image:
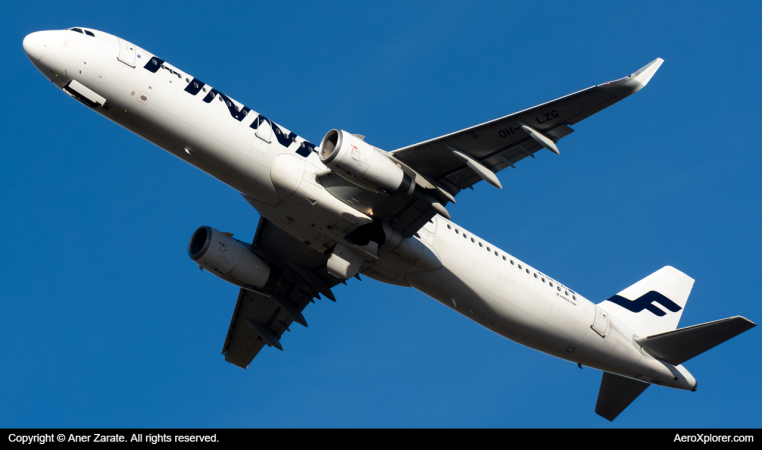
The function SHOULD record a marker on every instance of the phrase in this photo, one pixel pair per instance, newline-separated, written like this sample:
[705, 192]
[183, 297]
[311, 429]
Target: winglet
[643, 76]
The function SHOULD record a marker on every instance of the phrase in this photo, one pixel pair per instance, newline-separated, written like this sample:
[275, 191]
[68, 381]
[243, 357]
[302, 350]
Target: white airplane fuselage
[455, 267]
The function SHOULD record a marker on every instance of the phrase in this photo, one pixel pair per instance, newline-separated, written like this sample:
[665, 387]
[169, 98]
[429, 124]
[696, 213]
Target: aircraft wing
[259, 319]
[459, 160]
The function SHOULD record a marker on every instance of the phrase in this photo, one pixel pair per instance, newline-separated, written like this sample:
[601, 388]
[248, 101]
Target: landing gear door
[431, 225]
[126, 53]
[600, 322]
[429, 230]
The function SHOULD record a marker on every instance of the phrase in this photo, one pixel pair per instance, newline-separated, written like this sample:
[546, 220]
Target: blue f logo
[646, 301]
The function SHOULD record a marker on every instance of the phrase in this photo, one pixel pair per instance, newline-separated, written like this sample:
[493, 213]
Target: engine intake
[363, 164]
[227, 258]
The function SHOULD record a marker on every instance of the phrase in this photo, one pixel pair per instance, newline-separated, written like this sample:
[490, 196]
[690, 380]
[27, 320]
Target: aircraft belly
[304, 208]
[400, 257]
[517, 306]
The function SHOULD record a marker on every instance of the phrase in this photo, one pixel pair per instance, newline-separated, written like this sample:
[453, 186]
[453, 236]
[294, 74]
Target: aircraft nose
[35, 45]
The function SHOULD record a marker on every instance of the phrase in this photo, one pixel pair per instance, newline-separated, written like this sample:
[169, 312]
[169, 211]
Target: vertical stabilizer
[654, 304]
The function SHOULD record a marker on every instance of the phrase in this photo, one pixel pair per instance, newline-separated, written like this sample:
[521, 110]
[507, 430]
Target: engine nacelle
[227, 258]
[363, 164]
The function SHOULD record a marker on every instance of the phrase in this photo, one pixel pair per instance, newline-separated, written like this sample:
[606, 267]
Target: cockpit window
[79, 30]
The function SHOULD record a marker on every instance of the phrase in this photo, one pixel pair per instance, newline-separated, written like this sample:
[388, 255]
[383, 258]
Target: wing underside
[444, 166]
[503, 142]
[301, 269]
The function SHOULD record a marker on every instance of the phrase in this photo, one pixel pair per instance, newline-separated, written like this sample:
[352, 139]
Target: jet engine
[227, 258]
[363, 164]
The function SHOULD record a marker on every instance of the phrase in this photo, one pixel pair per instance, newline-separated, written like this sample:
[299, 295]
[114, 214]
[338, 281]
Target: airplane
[331, 212]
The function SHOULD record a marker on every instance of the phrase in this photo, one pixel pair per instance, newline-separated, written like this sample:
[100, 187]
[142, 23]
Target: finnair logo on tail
[646, 301]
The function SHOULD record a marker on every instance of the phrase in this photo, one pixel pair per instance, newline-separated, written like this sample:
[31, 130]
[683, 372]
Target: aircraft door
[600, 321]
[264, 129]
[126, 53]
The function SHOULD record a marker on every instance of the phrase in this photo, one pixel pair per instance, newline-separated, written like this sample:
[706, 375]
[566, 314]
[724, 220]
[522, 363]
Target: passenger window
[449, 227]
[574, 297]
[535, 275]
[472, 240]
[559, 288]
[511, 262]
[503, 258]
[527, 270]
[550, 284]
[496, 253]
[480, 244]
[519, 266]
[543, 280]
[566, 293]
[488, 249]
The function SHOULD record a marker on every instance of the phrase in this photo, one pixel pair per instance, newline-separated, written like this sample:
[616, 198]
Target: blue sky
[106, 322]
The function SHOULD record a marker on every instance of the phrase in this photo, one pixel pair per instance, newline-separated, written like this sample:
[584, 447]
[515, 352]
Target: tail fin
[616, 394]
[679, 346]
[654, 304]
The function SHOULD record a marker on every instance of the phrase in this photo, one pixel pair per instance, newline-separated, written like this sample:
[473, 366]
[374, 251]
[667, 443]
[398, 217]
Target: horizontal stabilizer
[616, 394]
[678, 346]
